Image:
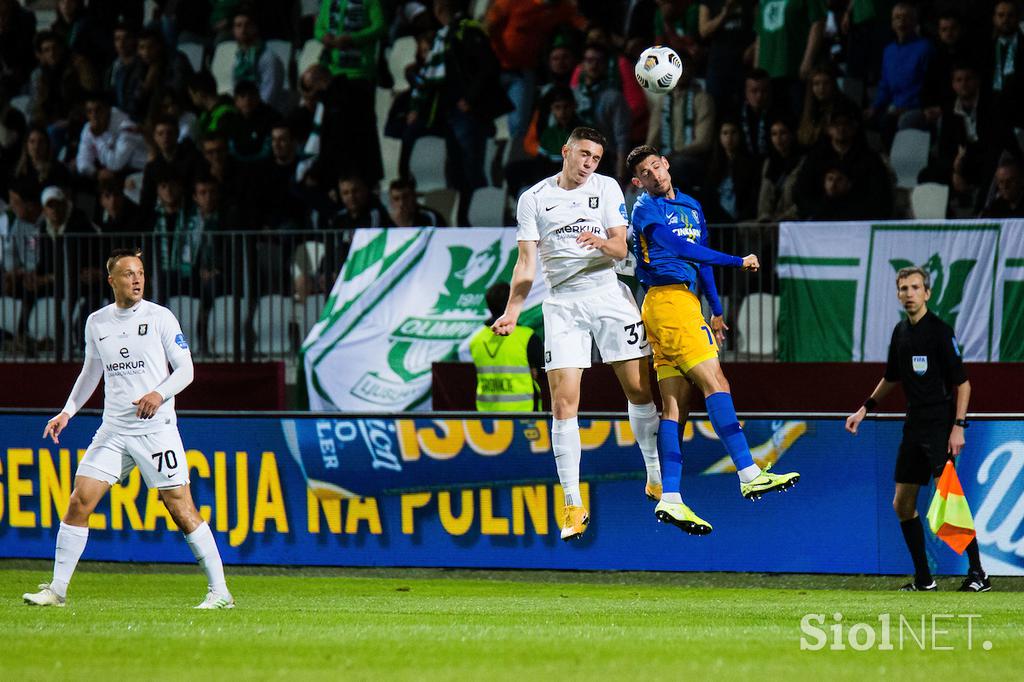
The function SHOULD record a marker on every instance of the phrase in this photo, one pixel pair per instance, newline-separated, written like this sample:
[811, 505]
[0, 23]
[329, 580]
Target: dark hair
[639, 154]
[245, 9]
[213, 136]
[98, 96]
[407, 182]
[29, 190]
[600, 47]
[45, 37]
[165, 120]
[205, 178]
[152, 34]
[247, 89]
[844, 109]
[585, 133]
[168, 174]
[758, 75]
[203, 82]
[111, 186]
[962, 65]
[497, 297]
[126, 27]
[560, 93]
[118, 254]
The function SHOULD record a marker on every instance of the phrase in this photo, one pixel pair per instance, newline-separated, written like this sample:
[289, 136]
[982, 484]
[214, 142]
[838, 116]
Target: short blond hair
[118, 254]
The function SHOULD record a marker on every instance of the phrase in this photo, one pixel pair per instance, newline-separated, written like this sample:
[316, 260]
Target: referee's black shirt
[925, 357]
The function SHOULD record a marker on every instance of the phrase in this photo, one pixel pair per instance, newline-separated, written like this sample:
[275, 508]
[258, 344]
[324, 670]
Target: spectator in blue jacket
[897, 103]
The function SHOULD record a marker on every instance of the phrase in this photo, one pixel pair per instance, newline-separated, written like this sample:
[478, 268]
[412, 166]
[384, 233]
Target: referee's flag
[949, 516]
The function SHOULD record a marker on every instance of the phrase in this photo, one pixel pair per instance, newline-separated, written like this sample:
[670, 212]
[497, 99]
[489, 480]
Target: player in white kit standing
[577, 221]
[130, 343]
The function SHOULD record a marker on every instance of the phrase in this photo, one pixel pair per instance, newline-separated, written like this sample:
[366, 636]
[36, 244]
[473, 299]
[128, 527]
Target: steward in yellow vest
[506, 366]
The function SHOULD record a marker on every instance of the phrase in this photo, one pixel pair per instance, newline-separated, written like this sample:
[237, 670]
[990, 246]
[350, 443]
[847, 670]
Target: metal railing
[254, 295]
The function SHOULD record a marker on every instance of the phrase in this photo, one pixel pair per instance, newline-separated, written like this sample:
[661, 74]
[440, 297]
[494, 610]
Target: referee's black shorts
[923, 451]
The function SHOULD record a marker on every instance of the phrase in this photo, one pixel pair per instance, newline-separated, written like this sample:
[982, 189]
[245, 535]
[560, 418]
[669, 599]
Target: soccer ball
[658, 69]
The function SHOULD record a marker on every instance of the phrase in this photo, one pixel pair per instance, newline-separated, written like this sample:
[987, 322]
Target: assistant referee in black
[925, 358]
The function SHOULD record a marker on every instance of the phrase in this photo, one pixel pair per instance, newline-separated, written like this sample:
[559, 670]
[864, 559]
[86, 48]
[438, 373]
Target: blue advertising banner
[443, 491]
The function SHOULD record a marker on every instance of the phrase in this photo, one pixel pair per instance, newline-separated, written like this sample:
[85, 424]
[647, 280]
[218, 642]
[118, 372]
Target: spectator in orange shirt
[519, 31]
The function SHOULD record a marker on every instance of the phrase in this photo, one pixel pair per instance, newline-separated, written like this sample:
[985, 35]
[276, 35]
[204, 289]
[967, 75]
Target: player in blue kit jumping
[674, 262]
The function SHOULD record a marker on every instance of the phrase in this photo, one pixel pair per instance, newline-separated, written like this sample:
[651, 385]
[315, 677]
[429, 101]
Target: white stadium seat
[223, 65]
[188, 310]
[310, 55]
[10, 314]
[427, 161]
[271, 324]
[221, 325]
[401, 55]
[756, 322]
[487, 207]
[194, 53]
[42, 320]
[909, 155]
[929, 201]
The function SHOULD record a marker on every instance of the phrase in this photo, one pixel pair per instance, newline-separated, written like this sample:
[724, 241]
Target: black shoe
[915, 586]
[975, 582]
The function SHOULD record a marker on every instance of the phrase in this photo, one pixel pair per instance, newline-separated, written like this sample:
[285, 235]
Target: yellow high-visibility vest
[504, 382]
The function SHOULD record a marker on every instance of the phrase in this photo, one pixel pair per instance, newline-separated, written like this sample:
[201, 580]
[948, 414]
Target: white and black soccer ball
[658, 69]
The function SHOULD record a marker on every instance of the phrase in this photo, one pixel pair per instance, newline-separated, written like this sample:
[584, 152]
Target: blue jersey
[670, 238]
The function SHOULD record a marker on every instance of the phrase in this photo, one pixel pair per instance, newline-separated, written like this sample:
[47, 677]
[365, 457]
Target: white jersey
[555, 217]
[135, 346]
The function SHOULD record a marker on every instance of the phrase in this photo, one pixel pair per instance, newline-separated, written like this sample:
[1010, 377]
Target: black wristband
[870, 404]
[962, 423]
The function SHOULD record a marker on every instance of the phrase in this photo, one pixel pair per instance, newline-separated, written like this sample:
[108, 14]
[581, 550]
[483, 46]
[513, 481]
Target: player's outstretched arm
[881, 390]
[522, 281]
[86, 383]
[683, 248]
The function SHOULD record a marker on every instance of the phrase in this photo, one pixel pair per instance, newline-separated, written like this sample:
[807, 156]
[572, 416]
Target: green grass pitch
[128, 621]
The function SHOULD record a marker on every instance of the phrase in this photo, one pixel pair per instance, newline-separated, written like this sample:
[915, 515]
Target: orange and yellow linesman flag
[949, 515]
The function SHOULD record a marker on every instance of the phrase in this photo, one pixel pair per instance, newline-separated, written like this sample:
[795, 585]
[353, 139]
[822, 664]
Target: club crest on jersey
[594, 201]
[143, 328]
[920, 364]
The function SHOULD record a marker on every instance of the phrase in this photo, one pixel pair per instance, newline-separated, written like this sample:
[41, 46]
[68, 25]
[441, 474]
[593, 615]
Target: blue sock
[671, 455]
[722, 414]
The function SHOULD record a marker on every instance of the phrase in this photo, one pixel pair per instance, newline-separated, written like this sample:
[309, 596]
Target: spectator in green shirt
[789, 38]
[350, 31]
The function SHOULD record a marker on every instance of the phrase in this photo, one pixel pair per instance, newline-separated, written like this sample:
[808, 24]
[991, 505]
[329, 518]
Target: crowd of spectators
[765, 125]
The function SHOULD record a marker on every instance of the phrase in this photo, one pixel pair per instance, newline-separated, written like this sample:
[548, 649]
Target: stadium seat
[443, 201]
[401, 55]
[382, 104]
[271, 324]
[756, 323]
[852, 88]
[310, 55]
[929, 200]
[427, 162]
[501, 131]
[478, 9]
[487, 207]
[283, 50]
[310, 8]
[307, 314]
[42, 320]
[307, 258]
[188, 310]
[21, 103]
[10, 314]
[194, 53]
[222, 66]
[909, 155]
[221, 324]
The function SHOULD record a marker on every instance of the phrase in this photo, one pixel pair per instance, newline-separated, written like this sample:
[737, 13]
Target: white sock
[748, 474]
[565, 442]
[644, 420]
[677, 498]
[70, 545]
[204, 547]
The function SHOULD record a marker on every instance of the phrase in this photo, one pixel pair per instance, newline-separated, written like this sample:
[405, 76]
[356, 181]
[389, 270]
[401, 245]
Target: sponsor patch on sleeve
[622, 210]
[180, 340]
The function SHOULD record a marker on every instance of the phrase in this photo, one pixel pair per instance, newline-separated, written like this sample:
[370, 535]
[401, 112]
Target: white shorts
[160, 457]
[609, 315]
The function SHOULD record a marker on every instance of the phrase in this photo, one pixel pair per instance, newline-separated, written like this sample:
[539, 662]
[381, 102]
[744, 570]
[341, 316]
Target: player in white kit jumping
[576, 220]
[130, 344]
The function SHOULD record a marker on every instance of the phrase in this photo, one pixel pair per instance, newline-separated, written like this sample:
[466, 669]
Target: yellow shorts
[680, 336]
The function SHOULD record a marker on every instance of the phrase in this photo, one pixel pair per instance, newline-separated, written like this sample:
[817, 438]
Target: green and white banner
[837, 285]
[406, 298]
